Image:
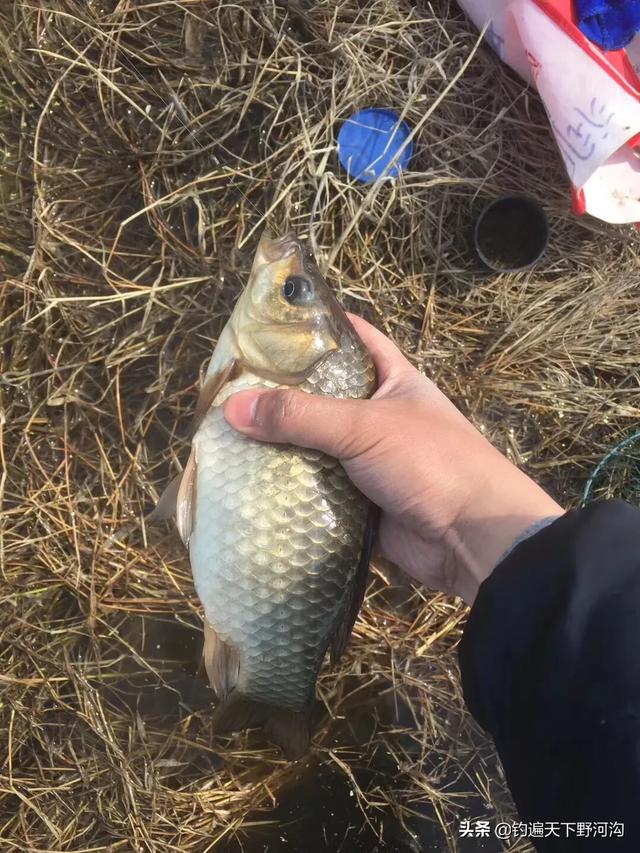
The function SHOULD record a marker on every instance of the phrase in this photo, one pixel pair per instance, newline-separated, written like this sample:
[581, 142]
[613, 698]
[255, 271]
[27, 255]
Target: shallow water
[317, 808]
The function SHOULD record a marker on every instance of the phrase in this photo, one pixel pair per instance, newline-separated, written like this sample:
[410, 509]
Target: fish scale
[276, 539]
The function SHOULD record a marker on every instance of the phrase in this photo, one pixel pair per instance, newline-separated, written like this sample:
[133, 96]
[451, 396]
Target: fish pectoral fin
[186, 498]
[289, 730]
[221, 661]
[178, 500]
[211, 388]
[343, 631]
[165, 509]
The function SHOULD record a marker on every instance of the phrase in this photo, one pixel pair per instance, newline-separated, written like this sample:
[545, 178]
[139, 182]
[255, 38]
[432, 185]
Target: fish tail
[289, 730]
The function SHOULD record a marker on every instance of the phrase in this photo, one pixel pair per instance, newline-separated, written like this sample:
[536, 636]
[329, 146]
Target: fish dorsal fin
[343, 631]
[186, 498]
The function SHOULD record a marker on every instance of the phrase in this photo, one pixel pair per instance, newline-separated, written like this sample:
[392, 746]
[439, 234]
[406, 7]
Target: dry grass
[146, 145]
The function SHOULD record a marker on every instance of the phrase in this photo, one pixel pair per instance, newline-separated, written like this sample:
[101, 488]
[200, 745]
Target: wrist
[504, 505]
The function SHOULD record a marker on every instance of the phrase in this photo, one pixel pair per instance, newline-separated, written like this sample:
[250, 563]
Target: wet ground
[319, 813]
[317, 810]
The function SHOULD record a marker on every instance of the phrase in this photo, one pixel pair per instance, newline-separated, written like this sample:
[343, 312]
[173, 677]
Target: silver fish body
[276, 540]
[278, 536]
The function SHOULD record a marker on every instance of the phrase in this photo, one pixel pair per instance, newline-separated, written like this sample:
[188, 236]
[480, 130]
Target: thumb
[332, 425]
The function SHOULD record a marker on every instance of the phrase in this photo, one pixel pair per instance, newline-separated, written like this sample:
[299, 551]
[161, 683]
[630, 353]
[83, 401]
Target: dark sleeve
[550, 662]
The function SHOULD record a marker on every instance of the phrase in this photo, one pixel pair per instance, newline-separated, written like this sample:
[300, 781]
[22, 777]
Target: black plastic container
[511, 233]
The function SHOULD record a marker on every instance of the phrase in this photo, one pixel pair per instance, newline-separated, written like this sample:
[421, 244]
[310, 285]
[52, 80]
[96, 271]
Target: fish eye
[297, 290]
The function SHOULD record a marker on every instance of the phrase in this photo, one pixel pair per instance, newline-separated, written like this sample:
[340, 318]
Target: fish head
[287, 319]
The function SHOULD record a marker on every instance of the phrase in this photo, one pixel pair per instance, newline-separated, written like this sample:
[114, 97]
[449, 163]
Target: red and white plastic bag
[592, 97]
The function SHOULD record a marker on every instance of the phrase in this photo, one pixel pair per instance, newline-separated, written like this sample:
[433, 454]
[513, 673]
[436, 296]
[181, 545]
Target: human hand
[451, 503]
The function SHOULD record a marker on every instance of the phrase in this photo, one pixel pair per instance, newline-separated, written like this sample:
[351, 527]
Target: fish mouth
[278, 248]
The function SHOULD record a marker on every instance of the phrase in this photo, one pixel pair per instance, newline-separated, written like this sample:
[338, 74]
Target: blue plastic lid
[368, 142]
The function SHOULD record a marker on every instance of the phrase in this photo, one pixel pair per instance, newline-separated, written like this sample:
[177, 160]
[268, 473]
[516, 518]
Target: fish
[279, 539]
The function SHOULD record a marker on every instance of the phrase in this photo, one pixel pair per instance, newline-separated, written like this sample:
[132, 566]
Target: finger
[335, 426]
[386, 356]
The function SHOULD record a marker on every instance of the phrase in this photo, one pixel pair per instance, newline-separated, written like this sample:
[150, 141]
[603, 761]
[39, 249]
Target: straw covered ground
[145, 145]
